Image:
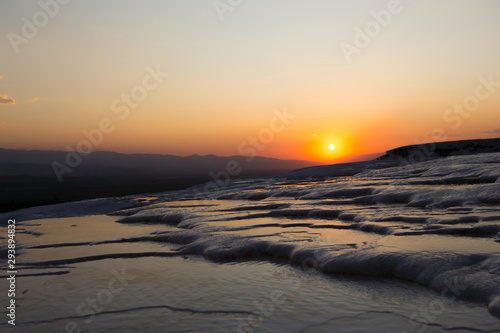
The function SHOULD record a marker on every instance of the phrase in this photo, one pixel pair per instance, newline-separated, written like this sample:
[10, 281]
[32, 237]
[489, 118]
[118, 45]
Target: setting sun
[221, 136]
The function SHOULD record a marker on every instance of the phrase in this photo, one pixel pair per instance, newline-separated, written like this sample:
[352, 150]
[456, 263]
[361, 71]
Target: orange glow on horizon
[320, 148]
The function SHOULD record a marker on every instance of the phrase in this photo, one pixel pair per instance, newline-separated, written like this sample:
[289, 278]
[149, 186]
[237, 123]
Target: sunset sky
[232, 68]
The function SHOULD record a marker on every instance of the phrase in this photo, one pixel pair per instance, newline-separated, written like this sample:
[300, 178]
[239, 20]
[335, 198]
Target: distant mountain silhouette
[40, 163]
[30, 177]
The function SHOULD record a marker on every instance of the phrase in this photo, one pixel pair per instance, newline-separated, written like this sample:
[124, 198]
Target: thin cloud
[3, 122]
[493, 131]
[4, 99]
[33, 100]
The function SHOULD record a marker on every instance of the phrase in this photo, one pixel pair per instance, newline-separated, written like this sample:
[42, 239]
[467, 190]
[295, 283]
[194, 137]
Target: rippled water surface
[404, 249]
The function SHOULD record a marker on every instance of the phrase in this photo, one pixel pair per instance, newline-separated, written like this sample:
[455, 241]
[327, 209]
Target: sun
[331, 147]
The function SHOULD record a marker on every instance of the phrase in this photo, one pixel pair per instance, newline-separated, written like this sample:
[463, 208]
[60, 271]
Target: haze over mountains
[34, 177]
[43, 163]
